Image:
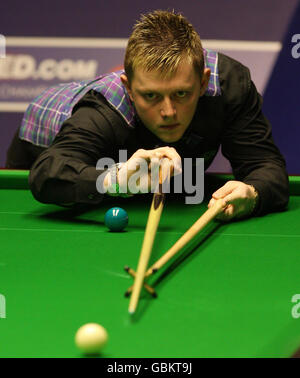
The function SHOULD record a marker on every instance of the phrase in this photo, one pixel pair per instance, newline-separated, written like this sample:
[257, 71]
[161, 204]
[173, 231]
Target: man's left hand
[241, 200]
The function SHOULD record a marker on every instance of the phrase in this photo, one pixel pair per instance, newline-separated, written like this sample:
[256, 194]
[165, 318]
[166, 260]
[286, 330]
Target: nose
[167, 110]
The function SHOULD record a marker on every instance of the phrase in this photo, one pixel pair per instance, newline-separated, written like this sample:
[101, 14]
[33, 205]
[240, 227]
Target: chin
[170, 138]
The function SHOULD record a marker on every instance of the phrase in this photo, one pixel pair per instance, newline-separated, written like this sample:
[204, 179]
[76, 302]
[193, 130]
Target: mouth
[169, 127]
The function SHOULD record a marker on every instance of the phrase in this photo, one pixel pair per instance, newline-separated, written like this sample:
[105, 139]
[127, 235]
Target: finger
[154, 164]
[166, 169]
[233, 198]
[161, 171]
[135, 163]
[241, 203]
[227, 214]
[211, 202]
[158, 171]
[224, 214]
[173, 156]
[155, 159]
[229, 211]
[160, 167]
[225, 190]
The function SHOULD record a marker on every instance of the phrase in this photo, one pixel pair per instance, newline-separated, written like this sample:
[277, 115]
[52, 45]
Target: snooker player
[173, 100]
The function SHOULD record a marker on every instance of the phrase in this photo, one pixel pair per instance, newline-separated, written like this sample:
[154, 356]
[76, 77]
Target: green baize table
[227, 294]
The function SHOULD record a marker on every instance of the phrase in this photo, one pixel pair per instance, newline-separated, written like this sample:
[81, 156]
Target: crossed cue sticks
[152, 223]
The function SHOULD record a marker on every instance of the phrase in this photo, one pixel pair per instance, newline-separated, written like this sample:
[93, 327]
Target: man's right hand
[140, 173]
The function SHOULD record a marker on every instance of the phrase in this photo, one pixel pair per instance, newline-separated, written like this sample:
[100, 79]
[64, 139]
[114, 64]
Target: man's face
[166, 105]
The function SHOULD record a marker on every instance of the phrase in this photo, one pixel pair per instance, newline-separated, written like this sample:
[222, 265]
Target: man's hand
[140, 173]
[240, 198]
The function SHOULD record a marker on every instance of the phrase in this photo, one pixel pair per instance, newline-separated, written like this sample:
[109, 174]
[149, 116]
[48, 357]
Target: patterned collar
[112, 88]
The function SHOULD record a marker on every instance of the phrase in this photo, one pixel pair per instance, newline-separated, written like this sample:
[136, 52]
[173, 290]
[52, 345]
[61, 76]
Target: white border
[115, 43]
[215, 44]
[13, 107]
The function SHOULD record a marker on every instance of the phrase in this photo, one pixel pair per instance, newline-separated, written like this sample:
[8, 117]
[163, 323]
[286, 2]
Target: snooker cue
[207, 217]
[150, 232]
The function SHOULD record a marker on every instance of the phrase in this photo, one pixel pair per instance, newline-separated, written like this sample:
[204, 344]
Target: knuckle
[230, 182]
[139, 152]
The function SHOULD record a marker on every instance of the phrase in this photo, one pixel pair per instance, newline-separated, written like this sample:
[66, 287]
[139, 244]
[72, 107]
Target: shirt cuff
[86, 186]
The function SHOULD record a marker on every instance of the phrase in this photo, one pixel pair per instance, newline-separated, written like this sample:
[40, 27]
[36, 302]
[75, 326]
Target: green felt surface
[227, 294]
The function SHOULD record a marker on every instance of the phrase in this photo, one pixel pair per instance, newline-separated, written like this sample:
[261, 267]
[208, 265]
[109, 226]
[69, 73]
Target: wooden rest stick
[150, 232]
[150, 289]
[207, 217]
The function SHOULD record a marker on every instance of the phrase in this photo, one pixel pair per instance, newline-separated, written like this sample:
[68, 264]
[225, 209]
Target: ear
[204, 81]
[126, 84]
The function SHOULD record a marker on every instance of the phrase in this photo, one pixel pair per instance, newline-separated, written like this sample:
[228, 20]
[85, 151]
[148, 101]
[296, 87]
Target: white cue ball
[91, 338]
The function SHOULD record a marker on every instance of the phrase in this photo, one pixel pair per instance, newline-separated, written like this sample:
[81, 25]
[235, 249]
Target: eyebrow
[179, 89]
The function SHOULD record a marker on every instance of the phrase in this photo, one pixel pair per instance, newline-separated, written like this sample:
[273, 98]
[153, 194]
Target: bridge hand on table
[241, 200]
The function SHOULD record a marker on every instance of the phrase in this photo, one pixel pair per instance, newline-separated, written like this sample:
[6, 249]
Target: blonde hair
[161, 40]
